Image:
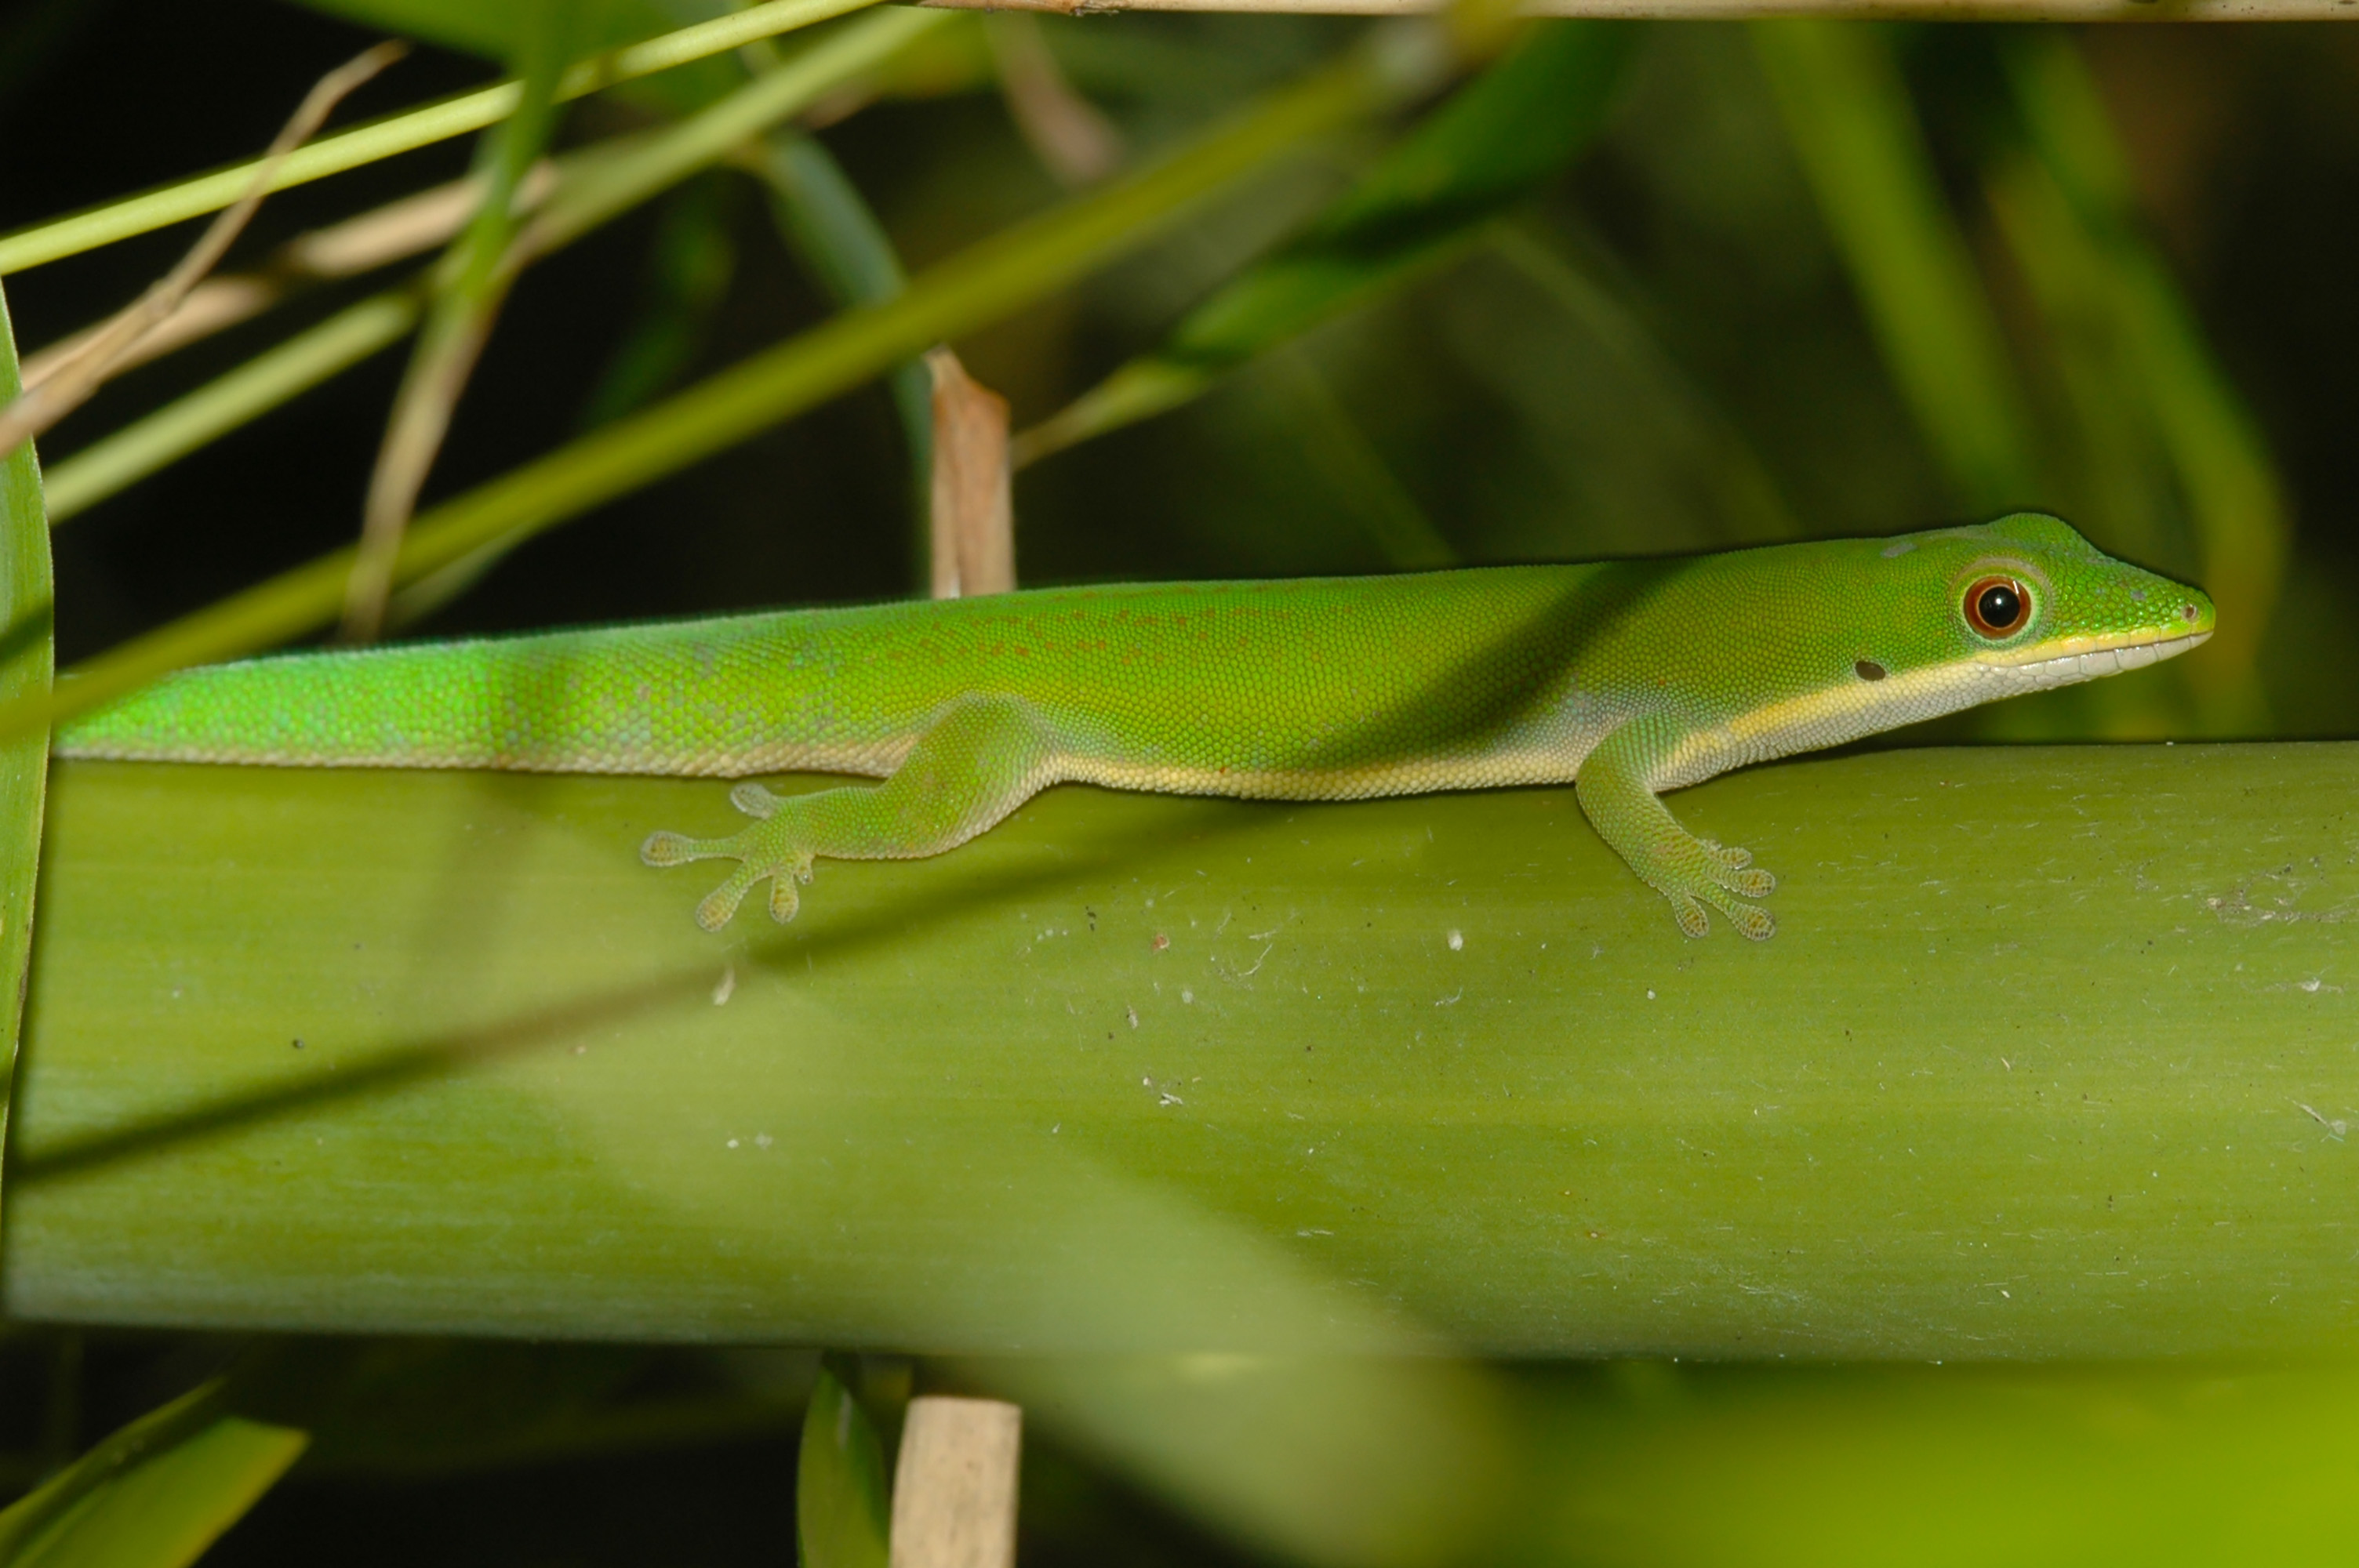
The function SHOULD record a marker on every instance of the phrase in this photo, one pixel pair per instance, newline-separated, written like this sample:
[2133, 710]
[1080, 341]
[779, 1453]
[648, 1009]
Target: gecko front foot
[1726, 870]
[767, 849]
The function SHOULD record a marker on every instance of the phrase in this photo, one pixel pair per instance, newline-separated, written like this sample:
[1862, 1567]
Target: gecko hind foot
[758, 855]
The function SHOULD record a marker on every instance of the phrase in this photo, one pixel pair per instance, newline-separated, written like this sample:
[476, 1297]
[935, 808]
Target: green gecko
[1624, 678]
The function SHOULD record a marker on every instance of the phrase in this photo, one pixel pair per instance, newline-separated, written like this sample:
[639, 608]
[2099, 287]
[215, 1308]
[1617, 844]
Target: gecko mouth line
[2070, 668]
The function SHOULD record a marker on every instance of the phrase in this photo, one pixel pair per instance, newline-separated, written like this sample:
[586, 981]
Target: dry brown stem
[392, 232]
[973, 534]
[955, 1484]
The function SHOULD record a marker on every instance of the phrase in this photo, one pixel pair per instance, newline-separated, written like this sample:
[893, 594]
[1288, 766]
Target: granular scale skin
[1627, 677]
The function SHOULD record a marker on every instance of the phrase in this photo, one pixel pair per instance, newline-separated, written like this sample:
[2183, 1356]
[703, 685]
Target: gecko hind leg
[980, 760]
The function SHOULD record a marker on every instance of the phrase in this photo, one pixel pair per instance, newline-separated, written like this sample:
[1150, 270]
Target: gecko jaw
[2067, 669]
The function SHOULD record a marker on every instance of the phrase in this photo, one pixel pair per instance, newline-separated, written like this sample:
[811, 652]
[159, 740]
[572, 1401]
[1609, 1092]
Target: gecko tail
[680, 698]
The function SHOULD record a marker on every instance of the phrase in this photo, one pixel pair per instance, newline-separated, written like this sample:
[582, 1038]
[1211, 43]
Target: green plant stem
[402, 133]
[593, 187]
[117, 462]
[980, 285]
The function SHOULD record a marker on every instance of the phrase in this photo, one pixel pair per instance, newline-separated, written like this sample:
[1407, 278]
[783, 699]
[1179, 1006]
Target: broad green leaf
[1488, 147]
[1656, 1465]
[155, 1495]
[2048, 1060]
[2050, 1057]
[1853, 125]
[843, 1504]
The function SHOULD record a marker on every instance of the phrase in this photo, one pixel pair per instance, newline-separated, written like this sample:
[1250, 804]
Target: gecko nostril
[1868, 669]
[2188, 613]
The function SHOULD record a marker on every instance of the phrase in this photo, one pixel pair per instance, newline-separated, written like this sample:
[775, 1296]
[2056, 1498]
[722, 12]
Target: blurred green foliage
[1714, 285]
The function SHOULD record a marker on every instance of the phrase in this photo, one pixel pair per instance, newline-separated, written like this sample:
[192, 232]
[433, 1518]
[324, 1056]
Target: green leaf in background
[500, 29]
[2134, 353]
[988, 281]
[154, 1495]
[1650, 1464]
[843, 1505]
[466, 291]
[1853, 125]
[689, 264]
[1487, 147]
[830, 230]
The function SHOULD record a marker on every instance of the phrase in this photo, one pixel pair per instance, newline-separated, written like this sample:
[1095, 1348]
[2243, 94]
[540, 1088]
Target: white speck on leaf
[2337, 1126]
[727, 987]
[1457, 941]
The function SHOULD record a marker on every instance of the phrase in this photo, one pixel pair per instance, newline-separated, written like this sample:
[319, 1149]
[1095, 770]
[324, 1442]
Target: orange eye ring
[1997, 607]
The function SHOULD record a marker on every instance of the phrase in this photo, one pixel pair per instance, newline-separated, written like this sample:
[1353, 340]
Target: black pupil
[1999, 606]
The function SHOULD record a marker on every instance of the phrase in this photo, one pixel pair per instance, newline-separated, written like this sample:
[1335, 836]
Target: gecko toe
[1689, 914]
[719, 906]
[754, 800]
[1754, 883]
[1735, 857]
[1756, 924]
[672, 849]
[784, 899]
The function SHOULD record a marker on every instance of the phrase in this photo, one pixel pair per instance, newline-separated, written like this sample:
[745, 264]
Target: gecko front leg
[1616, 791]
[980, 759]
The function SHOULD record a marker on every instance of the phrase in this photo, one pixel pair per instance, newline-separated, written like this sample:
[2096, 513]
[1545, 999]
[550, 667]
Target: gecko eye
[1998, 606]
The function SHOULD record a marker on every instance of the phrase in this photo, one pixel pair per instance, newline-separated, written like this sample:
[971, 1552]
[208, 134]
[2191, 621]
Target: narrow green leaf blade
[155, 1495]
[1856, 132]
[25, 663]
[842, 1506]
[2096, 275]
[1488, 147]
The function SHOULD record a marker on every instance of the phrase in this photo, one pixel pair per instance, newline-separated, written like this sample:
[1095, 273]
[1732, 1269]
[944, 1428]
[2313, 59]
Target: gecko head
[2026, 604]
